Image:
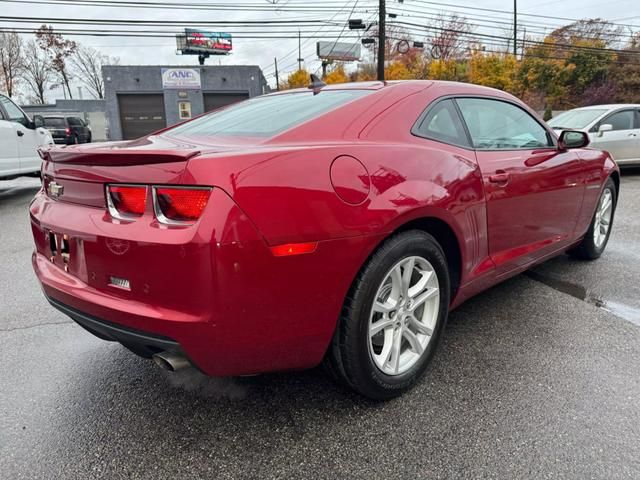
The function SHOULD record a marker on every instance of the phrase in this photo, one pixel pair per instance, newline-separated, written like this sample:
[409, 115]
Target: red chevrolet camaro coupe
[334, 225]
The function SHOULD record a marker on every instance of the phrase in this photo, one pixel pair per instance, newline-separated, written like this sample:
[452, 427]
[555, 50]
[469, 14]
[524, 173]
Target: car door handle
[633, 135]
[20, 133]
[501, 177]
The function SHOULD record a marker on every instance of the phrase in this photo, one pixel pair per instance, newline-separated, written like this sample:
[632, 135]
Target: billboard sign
[340, 51]
[201, 41]
[181, 78]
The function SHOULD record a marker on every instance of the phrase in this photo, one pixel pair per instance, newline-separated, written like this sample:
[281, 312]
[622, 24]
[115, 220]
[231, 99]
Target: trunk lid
[82, 171]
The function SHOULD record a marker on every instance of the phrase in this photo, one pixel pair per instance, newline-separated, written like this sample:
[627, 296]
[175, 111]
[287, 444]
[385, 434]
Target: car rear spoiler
[113, 157]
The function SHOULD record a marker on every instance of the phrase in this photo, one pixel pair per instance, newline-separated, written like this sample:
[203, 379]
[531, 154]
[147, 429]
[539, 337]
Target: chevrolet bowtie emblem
[55, 189]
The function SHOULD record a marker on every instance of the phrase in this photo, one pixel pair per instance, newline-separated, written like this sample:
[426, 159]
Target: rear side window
[270, 115]
[55, 122]
[498, 125]
[442, 123]
[74, 122]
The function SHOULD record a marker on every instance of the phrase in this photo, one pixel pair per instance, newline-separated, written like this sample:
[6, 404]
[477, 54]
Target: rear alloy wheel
[392, 318]
[596, 238]
[403, 315]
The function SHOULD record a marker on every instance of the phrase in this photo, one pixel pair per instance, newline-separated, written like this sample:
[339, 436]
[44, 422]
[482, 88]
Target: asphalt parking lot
[537, 378]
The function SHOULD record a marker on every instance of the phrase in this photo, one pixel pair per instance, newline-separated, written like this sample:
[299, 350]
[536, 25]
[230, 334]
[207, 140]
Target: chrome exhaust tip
[171, 362]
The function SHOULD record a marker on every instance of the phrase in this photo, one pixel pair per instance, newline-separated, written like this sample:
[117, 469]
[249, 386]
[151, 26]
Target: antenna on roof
[316, 84]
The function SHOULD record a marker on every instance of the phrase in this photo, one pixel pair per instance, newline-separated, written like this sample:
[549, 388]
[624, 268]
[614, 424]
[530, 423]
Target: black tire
[348, 359]
[587, 249]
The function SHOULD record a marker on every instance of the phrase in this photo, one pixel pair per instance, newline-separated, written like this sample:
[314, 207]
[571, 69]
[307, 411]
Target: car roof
[466, 88]
[611, 106]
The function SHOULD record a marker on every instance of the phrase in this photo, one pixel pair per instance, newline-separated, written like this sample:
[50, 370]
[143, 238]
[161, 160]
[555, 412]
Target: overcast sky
[261, 52]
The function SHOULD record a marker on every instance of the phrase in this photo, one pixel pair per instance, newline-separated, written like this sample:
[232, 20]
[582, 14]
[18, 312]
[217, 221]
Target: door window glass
[14, 113]
[620, 120]
[443, 123]
[498, 125]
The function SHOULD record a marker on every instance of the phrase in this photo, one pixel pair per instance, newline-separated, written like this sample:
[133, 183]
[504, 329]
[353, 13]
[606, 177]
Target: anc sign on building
[182, 78]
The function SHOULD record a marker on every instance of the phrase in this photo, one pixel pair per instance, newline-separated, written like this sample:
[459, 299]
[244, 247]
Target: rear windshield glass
[54, 122]
[268, 116]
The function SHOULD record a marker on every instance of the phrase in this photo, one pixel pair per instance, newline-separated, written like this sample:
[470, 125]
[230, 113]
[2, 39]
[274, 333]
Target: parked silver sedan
[614, 128]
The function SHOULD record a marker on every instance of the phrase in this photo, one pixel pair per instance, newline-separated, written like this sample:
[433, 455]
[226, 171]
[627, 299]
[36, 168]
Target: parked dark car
[68, 130]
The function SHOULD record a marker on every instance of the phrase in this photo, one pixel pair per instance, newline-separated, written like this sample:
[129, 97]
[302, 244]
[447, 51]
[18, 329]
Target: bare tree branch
[38, 71]
[87, 63]
[11, 60]
[449, 39]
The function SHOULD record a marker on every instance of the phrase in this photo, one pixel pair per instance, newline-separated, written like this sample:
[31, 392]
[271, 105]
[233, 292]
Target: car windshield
[54, 122]
[269, 115]
[576, 118]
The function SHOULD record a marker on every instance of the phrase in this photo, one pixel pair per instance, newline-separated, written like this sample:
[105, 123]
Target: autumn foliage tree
[298, 79]
[495, 70]
[337, 75]
[59, 50]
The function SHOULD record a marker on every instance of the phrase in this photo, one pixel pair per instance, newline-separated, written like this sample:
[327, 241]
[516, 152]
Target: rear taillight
[68, 131]
[126, 201]
[180, 205]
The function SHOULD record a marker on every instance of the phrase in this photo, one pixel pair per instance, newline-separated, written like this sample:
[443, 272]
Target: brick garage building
[142, 99]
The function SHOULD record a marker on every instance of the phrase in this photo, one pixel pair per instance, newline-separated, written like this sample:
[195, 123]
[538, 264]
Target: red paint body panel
[216, 287]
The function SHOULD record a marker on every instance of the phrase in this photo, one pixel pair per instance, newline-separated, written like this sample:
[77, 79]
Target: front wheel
[596, 238]
[392, 318]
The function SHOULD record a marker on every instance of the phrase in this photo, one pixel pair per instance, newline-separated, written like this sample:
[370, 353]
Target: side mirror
[605, 127]
[572, 139]
[38, 121]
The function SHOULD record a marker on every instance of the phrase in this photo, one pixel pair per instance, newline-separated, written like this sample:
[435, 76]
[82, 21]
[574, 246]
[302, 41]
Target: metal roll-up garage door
[141, 114]
[217, 100]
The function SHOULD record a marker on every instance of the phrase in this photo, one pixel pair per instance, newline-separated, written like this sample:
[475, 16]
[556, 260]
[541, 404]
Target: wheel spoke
[406, 275]
[416, 346]
[380, 325]
[420, 284]
[395, 349]
[423, 297]
[420, 327]
[396, 281]
[385, 307]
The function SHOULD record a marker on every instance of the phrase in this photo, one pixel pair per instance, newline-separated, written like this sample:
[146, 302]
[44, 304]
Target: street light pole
[515, 28]
[382, 11]
[300, 59]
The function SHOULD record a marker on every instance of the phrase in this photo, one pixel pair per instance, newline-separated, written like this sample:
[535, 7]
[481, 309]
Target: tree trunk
[65, 80]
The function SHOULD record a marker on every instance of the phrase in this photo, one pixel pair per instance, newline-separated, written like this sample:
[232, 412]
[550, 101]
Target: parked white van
[20, 138]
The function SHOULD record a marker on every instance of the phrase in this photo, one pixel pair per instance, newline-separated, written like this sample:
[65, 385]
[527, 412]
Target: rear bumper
[142, 343]
[213, 290]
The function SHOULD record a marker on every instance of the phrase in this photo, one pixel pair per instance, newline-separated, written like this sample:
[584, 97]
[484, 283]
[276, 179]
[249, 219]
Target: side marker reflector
[293, 249]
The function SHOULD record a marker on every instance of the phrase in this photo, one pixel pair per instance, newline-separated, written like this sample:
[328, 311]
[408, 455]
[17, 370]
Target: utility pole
[300, 59]
[515, 28]
[382, 40]
[275, 61]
